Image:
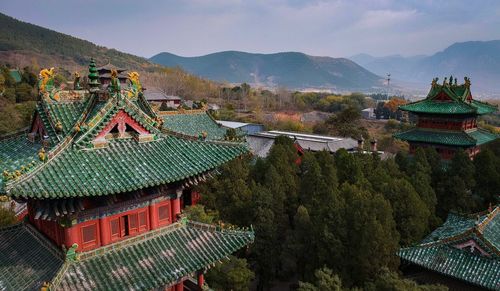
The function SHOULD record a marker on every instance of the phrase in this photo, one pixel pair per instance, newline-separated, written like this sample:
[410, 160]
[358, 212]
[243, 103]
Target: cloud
[317, 27]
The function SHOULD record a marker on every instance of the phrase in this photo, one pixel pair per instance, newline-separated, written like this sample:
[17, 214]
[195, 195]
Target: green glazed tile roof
[454, 225]
[120, 164]
[437, 252]
[27, 259]
[67, 113]
[17, 152]
[97, 120]
[152, 260]
[156, 259]
[491, 230]
[193, 124]
[123, 166]
[459, 103]
[46, 121]
[452, 138]
[460, 264]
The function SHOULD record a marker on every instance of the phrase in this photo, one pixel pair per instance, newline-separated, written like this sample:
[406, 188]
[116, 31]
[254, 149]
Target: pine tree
[422, 182]
[409, 211]
[265, 250]
[231, 275]
[487, 177]
[325, 279]
[372, 238]
[348, 167]
[455, 191]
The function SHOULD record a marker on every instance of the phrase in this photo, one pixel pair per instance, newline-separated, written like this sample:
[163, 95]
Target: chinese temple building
[447, 120]
[105, 182]
[464, 253]
[105, 74]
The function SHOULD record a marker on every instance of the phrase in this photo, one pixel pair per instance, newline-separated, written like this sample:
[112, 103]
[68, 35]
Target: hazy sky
[332, 28]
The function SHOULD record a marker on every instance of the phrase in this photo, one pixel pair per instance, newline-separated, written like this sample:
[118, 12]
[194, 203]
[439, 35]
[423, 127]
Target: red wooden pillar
[176, 205]
[179, 286]
[201, 279]
[105, 230]
[176, 208]
[71, 236]
[153, 217]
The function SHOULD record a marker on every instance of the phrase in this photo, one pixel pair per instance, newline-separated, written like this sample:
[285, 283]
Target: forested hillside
[31, 40]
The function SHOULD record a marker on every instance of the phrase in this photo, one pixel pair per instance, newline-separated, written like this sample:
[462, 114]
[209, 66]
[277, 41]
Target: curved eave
[436, 137]
[122, 167]
[446, 108]
[456, 263]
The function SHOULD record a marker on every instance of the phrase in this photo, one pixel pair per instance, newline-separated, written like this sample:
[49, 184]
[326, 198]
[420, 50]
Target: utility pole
[388, 84]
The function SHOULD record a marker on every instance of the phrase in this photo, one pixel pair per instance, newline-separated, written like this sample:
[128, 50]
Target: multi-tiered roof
[105, 145]
[454, 102]
[78, 163]
[464, 247]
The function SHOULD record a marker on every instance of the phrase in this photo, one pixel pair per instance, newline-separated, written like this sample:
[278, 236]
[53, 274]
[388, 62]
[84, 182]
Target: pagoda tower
[447, 120]
[105, 183]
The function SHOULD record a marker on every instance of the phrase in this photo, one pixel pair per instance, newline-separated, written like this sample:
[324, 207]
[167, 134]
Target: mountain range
[479, 60]
[290, 69]
[23, 43]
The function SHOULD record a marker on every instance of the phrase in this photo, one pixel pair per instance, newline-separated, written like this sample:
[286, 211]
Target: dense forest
[339, 220]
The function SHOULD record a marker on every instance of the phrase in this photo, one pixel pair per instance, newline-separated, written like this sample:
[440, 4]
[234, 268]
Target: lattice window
[143, 221]
[89, 234]
[115, 228]
[133, 223]
[163, 212]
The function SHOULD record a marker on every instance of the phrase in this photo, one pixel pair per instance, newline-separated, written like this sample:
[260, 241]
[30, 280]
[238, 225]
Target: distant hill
[291, 69]
[480, 60]
[21, 39]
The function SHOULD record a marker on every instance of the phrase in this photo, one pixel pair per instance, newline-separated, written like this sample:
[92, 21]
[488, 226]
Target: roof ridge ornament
[467, 82]
[71, 254]
[93, 76]
[46, 80]
[434, 83]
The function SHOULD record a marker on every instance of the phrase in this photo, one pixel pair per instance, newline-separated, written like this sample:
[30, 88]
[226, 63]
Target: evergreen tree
[298, 247]
[282, 156]
[230, 194]
[231, 275]
[390, 281]
[455, 191]
[372, 238]
[487, 177]
[422, 182]
[265, 250]
[348, 167]
[409, 211]
[325, 279]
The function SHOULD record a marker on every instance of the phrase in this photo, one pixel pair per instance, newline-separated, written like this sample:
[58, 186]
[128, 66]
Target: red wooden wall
[94, 233]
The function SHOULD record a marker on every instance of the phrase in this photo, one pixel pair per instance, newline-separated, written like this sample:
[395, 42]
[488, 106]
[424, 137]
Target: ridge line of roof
[52, 154]
[43, 240]
[475, 229]
[14, 134]
[183, 223]
[443, 248]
